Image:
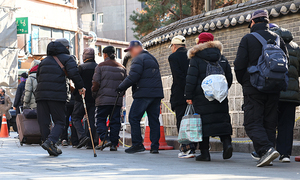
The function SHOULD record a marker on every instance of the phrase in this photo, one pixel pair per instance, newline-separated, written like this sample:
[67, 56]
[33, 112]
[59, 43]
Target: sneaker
[204, 156]
[64, 143]
[113, 148]
[187, 154]
[83, 142]
[268, 157]
[285, 159]
[106, 144]
[154, 151]
[89, 147]
[255, 156]
[51, 148]
[135, 149]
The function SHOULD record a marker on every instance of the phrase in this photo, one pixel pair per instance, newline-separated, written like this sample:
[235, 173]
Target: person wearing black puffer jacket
[51, 91]
[86, 71]
[290, 98]
[214, 115]
[145, 79]
[260, 109]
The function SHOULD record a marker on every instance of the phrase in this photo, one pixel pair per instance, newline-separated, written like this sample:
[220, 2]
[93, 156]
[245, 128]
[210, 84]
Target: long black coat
[179, 64]
[215, 116]
[19, 93]
[51, 78]
[144, 77]
[292, 94]
[249, 51]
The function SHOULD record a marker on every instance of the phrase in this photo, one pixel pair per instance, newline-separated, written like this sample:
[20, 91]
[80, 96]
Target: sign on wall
[22, 25]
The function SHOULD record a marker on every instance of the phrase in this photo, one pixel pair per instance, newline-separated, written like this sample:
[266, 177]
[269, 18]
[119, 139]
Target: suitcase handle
[21, 107]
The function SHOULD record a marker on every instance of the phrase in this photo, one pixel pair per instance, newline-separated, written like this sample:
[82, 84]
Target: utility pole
[95, 18]
[125, 20]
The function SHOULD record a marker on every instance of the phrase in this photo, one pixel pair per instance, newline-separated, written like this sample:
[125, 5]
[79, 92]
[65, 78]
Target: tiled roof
[220, 18]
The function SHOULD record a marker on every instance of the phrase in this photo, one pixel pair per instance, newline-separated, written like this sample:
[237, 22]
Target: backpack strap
[278, 41]
[260, 38]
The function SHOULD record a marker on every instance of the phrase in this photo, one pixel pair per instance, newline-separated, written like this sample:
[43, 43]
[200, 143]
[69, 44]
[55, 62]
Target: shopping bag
[190, 127]
[215, 87]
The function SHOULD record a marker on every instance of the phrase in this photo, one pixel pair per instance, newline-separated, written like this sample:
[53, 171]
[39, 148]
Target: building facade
[109, 19]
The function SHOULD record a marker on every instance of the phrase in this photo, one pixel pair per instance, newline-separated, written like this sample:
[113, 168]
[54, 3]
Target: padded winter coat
[144, 77]
[108, 76]
[292, 93]
[215, 115]
[51, 78]
[30, 87]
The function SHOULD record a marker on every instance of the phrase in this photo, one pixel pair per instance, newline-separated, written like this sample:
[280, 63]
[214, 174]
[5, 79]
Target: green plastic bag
[190, 127]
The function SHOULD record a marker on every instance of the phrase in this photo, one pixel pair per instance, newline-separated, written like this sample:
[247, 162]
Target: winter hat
[109, 49]
[34, 63]
[88, 53]
[204, 37]
[259, 14]
[24, 75]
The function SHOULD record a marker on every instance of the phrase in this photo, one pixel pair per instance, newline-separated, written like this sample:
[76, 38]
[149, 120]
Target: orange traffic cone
[162, 141]
[4, 129]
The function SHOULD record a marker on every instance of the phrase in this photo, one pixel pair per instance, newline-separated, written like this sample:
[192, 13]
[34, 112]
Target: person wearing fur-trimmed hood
[215, 116]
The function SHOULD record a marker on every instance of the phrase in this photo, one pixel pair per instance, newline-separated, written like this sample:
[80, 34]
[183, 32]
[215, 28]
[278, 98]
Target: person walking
[179, 64]
[51, 91]
[145, 79]
[30, 86]
[5, 105]
[108, 76]
[19, 94]
[214, 115]
[86, 71]
[290, 98]
[260, 108]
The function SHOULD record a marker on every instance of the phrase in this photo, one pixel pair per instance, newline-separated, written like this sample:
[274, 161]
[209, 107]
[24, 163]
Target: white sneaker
[284, 159]
[187, 154]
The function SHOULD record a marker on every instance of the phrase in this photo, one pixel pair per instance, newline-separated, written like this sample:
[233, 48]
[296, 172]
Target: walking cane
[110, 117]
[88, 121]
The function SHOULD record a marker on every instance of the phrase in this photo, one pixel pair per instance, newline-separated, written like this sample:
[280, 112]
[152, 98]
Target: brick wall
[230, 37]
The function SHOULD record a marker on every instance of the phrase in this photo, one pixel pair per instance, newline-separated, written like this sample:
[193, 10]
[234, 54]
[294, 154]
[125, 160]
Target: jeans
[46, 110]
[260, 120]
[102, 112]
[137, 110]
[286, 123]
[77, 116]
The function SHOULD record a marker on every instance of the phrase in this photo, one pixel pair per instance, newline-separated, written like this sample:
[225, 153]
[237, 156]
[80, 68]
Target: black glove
[119, 91]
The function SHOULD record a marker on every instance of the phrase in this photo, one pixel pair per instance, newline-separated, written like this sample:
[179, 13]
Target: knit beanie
[204, 37]
[88, 53]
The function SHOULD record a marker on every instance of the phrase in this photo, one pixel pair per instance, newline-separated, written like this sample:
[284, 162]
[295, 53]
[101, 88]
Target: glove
[119, 90]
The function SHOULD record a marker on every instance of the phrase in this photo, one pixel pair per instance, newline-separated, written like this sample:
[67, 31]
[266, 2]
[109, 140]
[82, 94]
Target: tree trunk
[239, 1]
[197, 6]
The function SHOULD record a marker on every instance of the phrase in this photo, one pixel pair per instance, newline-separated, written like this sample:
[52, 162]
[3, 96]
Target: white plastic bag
[215, 86]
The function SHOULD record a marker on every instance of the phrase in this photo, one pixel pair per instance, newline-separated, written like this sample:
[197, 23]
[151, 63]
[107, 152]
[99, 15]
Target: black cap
[109, 49]
[24, 75]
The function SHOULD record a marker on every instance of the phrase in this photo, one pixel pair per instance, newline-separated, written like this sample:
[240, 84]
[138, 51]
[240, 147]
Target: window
[99, 50]
[119, 53]
[100, 18]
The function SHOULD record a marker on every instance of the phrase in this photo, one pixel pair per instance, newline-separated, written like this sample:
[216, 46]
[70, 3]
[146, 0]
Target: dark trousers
[47, 110]
[8, 125]
[204, 145]
[69, 110]
[78, 114]
[260, 120]
[102, 112]
[286, 123]
[137, 110]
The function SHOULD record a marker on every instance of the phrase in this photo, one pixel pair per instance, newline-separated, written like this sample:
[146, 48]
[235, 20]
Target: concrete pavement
[32, 162]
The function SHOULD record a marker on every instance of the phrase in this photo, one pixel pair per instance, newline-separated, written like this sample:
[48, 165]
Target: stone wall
[230, 37]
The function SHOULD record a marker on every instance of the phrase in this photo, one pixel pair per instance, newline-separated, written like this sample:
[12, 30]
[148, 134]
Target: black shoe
[268, 157]
[204, 156]
[83, 142]
[154, 151]
[88, 147]
[113, 148]
[51, 148]
[255, 156]
[64, 143]
[135, 149]
[227, 152]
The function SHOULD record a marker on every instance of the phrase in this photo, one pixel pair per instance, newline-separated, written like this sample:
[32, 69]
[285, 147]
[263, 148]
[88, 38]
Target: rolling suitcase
[29, 130]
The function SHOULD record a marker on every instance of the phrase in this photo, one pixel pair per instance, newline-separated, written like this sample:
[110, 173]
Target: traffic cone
[162, 141]
[4, 129]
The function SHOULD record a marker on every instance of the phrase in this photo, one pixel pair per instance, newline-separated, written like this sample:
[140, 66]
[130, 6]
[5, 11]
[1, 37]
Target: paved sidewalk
[32, 162]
